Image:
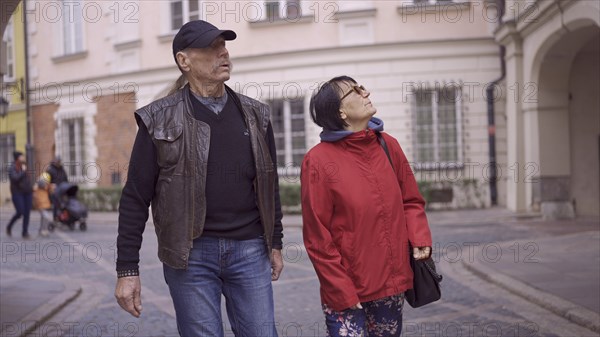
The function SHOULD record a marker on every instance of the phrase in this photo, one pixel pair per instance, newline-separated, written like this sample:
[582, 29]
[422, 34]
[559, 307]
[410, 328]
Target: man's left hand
[276, 264]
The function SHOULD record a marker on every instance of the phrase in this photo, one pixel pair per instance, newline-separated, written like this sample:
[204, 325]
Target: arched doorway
[566, 118]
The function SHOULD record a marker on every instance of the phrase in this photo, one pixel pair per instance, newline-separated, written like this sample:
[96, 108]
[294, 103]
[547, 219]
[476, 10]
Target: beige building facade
[427, 64]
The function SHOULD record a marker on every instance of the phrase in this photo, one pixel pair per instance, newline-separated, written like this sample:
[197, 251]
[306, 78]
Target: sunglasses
[359, 89]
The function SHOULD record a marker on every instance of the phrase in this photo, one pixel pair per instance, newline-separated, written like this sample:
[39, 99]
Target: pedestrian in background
[58, 175]
[57, 172]
[360, 211]
[204, 159]
[20, 190]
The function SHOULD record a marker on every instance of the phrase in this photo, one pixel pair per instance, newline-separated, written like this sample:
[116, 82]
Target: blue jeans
[241, 271]
[381, 318]
[22, 202]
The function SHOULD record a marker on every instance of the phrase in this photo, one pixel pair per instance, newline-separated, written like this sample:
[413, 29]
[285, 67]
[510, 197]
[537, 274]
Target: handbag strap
[384, 146]
[387, 153]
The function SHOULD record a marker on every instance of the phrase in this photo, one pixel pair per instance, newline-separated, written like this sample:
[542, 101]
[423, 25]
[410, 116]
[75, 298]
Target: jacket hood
[375, 124]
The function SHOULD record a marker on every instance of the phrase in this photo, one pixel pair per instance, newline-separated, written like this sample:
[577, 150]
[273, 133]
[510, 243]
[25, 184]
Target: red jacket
[359, 215]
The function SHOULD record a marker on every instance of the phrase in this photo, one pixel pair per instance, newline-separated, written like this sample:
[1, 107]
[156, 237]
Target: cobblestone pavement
[470, 306]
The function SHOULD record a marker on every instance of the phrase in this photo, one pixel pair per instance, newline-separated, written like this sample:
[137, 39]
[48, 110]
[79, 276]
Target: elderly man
[204, 159]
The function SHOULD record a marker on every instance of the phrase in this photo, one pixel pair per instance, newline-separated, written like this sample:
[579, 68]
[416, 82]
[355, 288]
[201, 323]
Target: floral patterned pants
[381, 317]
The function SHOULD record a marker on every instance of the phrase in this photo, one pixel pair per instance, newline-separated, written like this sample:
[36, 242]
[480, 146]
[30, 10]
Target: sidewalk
[28, 300]
[560, 272]
[559, 269]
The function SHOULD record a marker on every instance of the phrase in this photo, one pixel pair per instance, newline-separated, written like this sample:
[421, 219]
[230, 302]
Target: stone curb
[571, 311]
[46, 311]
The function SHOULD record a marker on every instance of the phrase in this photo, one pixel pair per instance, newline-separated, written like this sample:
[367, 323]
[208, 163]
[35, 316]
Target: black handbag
[426, 280]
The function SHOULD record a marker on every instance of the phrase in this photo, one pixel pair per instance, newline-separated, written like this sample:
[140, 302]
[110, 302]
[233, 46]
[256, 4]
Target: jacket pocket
[169, 145]
[347, 251]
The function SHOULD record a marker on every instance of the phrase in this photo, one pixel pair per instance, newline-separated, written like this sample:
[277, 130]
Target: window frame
[8, 38]
[435, 103]
[6, 158]
[73, 166]
[435, 2]
[185, 13]
[289, 151]
[69, 43]
[283, 5]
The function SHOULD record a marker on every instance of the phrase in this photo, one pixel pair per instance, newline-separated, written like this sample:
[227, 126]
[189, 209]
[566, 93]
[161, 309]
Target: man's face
[210, 64]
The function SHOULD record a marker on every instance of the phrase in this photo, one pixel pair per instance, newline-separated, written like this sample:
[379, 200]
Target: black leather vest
[182, 145]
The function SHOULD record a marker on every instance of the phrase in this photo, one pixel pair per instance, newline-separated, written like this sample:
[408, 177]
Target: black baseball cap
[198, 34]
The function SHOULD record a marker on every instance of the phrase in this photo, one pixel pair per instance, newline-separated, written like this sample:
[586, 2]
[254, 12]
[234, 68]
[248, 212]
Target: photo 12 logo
[81, 11]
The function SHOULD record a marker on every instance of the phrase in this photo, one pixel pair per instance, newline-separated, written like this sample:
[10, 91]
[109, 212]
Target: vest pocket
[169, 145]
[169, 214]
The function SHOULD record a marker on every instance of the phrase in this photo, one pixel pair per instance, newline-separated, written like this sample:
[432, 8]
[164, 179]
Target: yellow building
[13, 126]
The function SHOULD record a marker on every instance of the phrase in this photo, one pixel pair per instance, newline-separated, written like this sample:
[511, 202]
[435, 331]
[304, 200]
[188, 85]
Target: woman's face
[356, 107]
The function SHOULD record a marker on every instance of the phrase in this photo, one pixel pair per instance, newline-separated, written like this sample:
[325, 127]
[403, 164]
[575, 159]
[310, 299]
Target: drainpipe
[489, 93]
[29, 146]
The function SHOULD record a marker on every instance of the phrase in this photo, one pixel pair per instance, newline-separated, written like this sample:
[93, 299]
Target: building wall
[16, 121]
[584, 110]
[542, 52]
[43, 126]
[149, 46]
[115, 136]
[389, 47]
[389, 72]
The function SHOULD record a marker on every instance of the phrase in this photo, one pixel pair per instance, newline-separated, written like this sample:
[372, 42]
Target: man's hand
[128, 293]
[421, 253]
[276, 264]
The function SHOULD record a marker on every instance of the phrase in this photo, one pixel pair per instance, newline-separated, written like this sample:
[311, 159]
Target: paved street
[83, 262]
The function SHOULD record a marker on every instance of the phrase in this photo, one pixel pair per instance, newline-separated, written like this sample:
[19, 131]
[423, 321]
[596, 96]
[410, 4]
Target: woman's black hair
[325, 104]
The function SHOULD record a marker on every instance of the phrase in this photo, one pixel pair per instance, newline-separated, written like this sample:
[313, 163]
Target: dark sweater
[231, 207]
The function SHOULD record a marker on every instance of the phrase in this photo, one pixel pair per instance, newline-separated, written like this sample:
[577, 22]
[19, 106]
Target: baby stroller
[70, 210]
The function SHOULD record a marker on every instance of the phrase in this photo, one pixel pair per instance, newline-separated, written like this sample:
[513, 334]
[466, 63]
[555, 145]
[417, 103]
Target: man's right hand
[128, 293]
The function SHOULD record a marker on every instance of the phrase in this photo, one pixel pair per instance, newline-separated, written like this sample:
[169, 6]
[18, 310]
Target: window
[281, 10]
[351, 6]
[438, 127]
[272, 9]
[10, 52]
[7, 147]
[73, 149]
[287, 119]
[431, 2]
[72, 27]
[183, 11]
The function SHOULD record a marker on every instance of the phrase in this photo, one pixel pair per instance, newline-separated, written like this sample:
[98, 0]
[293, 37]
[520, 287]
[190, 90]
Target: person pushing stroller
[66, 208]
[70, 209]
[57, 175]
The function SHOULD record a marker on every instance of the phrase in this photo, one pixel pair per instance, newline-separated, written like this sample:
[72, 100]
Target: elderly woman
[361, 210]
